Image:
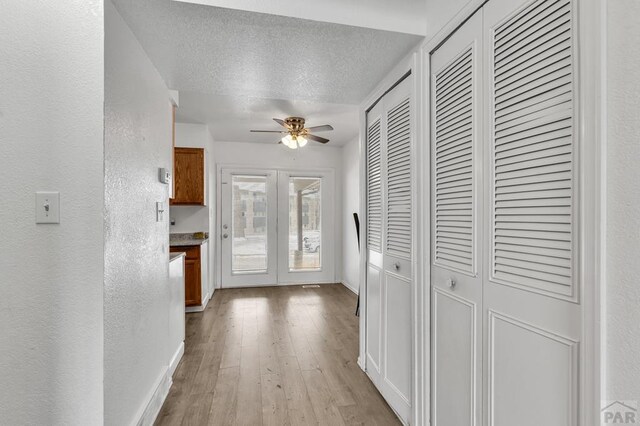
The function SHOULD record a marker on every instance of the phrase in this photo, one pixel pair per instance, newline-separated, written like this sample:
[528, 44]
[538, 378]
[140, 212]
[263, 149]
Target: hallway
[274, 356]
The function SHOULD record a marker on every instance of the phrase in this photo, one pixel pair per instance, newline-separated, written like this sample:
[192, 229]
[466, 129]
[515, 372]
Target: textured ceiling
[404, 16]
[231, 117]
[207, 49]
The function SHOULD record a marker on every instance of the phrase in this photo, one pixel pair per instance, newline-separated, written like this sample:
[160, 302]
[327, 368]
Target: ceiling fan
[296, 135]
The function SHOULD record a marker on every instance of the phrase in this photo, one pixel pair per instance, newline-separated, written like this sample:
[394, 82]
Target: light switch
[47, 207]
[159, 211]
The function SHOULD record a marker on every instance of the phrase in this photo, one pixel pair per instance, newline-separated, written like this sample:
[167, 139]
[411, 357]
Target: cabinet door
[189, 177]
[192, 285]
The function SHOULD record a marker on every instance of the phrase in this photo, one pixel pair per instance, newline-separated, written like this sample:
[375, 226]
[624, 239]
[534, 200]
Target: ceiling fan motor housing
[296, 124]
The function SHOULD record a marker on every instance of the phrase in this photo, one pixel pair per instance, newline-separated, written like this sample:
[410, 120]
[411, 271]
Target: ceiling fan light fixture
[302, 141]
[290, 141]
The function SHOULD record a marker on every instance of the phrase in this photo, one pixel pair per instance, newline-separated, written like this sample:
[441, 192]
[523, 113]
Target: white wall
[136, 282]
[279, 156]
[51, 125]
[350, 204]
[622, 342]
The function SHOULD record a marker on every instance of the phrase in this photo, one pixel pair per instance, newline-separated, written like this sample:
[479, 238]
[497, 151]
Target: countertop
[176, 255]
[191, 242]
[188, 239]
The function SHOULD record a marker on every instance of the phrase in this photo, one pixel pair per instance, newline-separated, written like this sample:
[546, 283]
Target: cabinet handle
[397, 266]
[225, 236]
[451, 283]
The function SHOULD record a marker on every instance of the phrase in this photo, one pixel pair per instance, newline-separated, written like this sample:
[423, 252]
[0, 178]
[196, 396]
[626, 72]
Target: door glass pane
[249, 224]
[304, 223]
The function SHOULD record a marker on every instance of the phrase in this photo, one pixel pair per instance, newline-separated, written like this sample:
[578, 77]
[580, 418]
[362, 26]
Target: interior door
[249, 246]
[531, 294]
[389, 228]
[397, 248]
[306, 227]
[375, 159]
[456, 191]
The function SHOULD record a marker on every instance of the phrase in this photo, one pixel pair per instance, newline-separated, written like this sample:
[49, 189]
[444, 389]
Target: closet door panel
[455, 358]
[375, 172]
[532, 313]
[456, 198]
[397, 248]
[398, 358]
[374, 319]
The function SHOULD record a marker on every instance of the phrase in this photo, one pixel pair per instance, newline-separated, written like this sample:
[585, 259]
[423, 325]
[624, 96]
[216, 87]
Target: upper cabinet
[189, 177]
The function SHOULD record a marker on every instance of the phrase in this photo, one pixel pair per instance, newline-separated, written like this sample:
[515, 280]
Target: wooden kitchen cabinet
[192, 274]
[189, 177]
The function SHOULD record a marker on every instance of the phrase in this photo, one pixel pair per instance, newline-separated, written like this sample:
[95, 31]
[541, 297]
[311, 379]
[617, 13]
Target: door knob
[225, 236]
[224, 227]
[451, 283]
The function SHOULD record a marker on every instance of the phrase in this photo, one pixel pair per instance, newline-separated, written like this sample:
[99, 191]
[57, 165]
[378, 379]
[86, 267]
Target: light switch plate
[47, 207]
[159, 211]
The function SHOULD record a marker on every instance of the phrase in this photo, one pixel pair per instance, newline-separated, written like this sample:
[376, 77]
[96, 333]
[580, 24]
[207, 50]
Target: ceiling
[230, 118]
[237, 69]
[408, 16]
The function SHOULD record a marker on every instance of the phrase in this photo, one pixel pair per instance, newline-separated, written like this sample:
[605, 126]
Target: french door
[277, 227]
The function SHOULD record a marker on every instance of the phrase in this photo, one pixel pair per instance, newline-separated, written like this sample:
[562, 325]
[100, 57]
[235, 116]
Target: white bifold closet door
[507, 314]
[389, 247]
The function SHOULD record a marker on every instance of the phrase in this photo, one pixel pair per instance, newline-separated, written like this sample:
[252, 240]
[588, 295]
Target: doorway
[277, 227]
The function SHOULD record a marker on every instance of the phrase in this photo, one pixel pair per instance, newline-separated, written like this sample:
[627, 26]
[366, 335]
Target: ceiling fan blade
[281, 122]
[268, 131]
[317, 138]
[322, 128]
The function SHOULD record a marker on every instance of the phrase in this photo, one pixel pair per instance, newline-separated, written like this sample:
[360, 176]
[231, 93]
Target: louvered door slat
[454, 185]
[398, 233]
[374, 188]
[533, 152]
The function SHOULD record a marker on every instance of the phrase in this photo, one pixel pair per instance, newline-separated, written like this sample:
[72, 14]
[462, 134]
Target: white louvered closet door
[531, 300]
[456, 269]
[374, 155]
[396, 370]
[389, 246]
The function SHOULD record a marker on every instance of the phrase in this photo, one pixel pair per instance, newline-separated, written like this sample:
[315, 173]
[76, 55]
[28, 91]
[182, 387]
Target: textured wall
[623, 213]
[51, 113]
[351, 204]
[136, 288]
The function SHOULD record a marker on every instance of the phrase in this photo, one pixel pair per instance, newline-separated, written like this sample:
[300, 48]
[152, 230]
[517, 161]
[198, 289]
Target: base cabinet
[193, 274]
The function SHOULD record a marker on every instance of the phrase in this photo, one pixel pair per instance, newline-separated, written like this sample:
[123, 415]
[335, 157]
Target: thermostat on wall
[165, 176]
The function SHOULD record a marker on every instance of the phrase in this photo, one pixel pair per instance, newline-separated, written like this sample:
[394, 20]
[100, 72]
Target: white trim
[349, 287]
[175, 359]
[592, 18]
[148, 414]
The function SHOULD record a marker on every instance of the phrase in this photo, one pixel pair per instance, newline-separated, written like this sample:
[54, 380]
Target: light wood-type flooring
[274, 356]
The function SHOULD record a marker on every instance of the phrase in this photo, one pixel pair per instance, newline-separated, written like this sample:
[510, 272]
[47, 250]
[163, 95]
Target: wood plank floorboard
[281, 356]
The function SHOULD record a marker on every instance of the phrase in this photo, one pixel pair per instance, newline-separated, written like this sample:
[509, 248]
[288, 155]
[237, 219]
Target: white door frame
[592, 90]
[332, 222]
[591, 77]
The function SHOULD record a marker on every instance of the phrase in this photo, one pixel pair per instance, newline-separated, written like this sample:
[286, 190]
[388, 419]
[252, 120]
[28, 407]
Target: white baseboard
[350, 287]
[175, 360]
[152, 409]
[198, 308]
